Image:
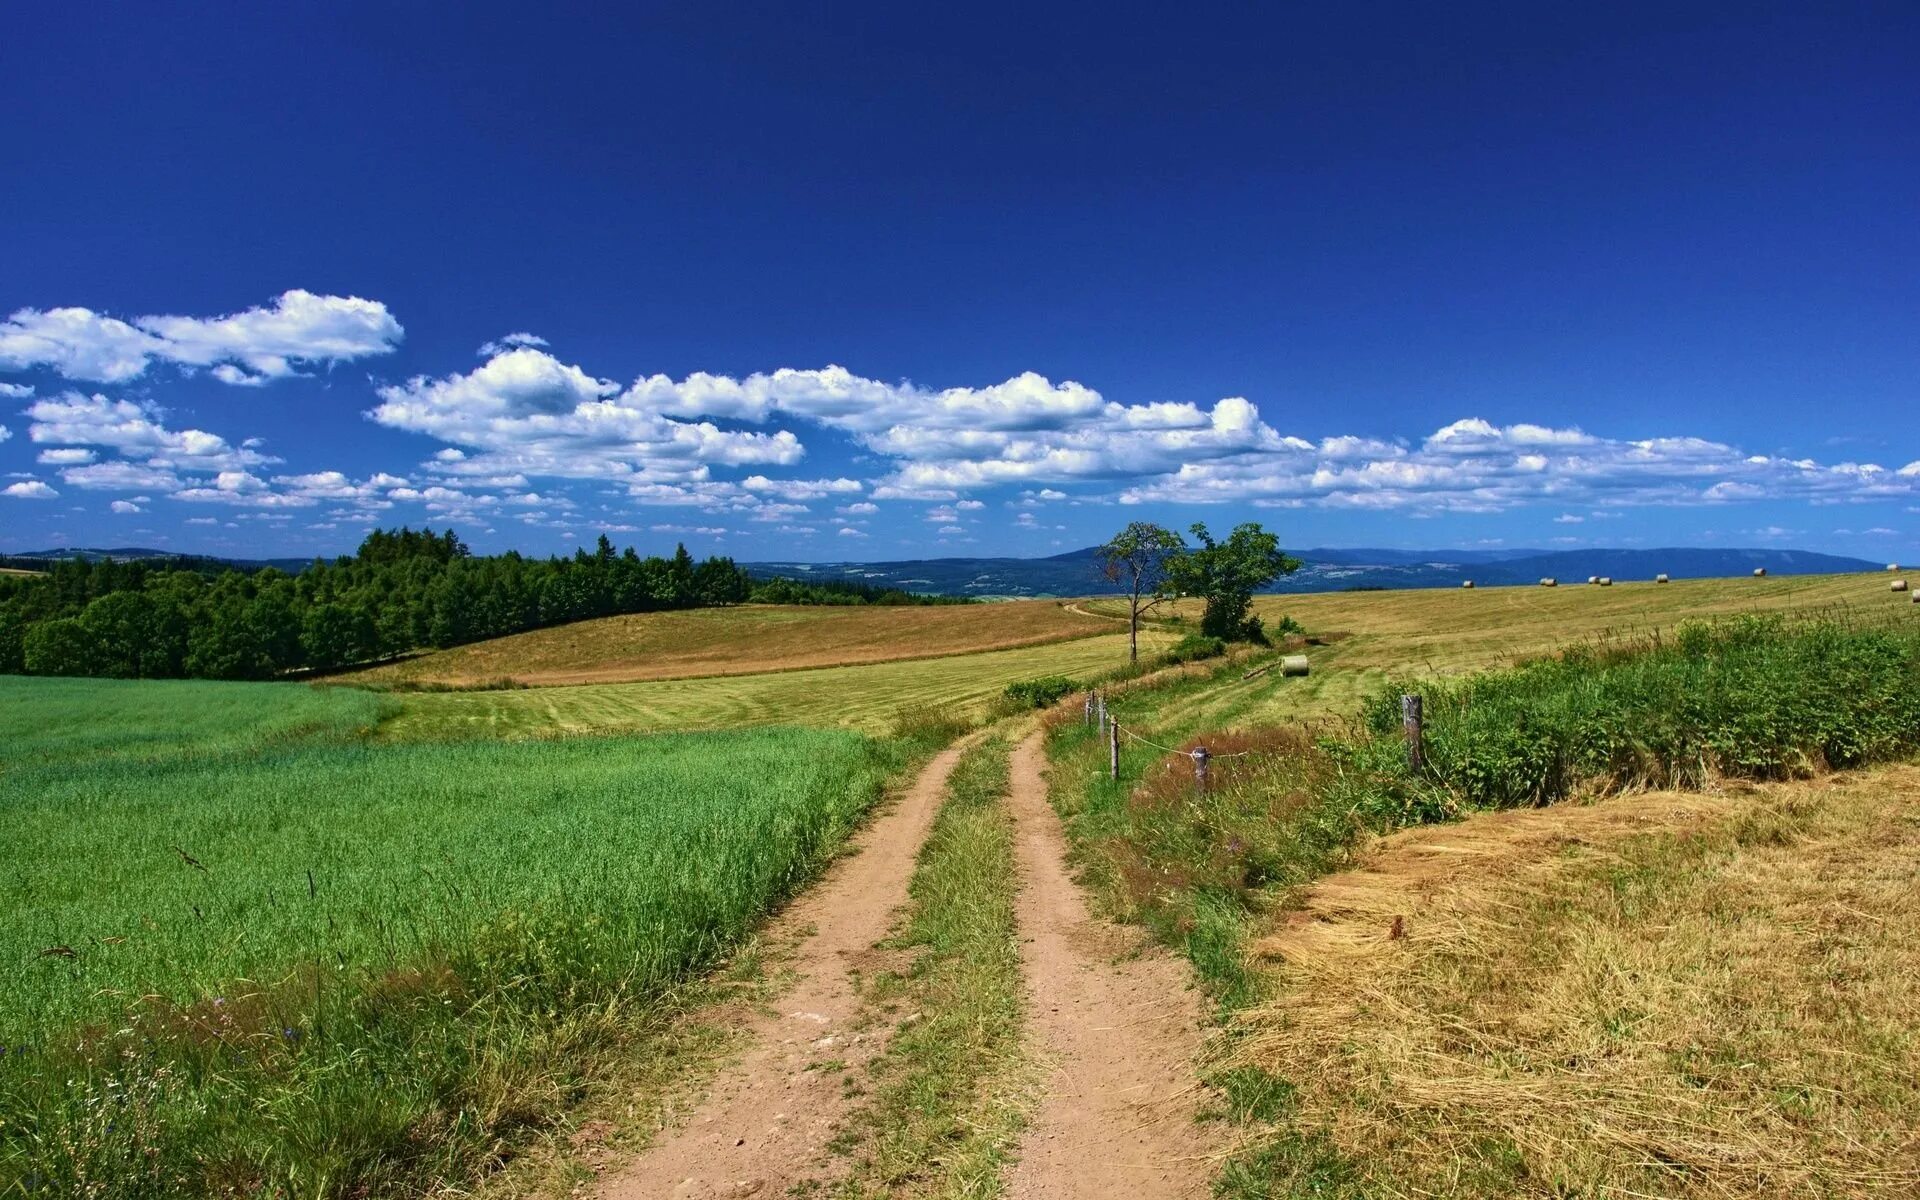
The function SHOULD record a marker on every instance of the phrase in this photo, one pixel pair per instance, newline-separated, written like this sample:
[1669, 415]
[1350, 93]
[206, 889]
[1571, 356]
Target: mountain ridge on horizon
[1326, 568]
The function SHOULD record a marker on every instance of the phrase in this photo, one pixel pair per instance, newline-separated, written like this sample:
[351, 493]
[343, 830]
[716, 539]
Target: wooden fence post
[1113, 748]
[1086, 718]
[1100, 706]
[1200, 769]
[1412, 721]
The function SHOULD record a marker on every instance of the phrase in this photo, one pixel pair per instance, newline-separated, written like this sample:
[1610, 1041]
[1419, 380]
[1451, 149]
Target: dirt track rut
[1118, 1024]
[766, 1125]
[1114, 1020]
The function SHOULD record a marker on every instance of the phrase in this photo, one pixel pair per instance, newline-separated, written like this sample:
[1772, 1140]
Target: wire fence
[1097, 713]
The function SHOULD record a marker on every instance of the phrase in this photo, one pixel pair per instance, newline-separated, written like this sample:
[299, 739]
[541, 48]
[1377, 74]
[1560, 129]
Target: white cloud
[66, 458]
[801, 489]
[509, 342]
[15, 391]
[121, 477]
[31, 489]
[297, 329]
[528, 412]
[863, 508]
[243, 489]
[135, 430]
[125, 506]
[850, 531]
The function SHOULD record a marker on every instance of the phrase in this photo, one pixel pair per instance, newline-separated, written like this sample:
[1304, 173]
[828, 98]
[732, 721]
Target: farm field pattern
[287, 916]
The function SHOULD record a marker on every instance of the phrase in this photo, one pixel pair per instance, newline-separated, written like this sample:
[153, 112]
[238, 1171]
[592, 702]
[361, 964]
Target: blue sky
[886, 281]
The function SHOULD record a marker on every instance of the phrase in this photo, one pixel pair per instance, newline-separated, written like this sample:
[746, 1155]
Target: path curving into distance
[1118, 1024]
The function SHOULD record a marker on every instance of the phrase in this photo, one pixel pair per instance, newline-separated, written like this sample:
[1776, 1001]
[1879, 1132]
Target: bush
[1193, 648]
[1041, 692]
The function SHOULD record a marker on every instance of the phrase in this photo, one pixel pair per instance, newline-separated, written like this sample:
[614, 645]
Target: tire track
[1120, 1037]
[765, 1126]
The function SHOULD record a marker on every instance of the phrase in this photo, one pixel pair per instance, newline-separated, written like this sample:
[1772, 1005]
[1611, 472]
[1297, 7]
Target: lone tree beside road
[1227, 574]
[1139, 559]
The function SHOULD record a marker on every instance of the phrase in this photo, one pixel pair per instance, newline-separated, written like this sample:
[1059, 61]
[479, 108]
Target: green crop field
[246, 950]
[859, 697]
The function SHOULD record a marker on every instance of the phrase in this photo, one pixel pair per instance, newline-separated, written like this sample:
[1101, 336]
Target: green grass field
[866, 697]
[90, 720]
[273, 956]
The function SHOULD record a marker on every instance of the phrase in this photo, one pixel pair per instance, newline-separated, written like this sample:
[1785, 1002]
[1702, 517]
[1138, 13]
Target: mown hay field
[1668, 994]
[867, 698]
[247, 952]
[746, 640]
[1451, 631]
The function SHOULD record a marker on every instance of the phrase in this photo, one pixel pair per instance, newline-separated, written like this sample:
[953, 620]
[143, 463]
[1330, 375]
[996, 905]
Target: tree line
[401, 591]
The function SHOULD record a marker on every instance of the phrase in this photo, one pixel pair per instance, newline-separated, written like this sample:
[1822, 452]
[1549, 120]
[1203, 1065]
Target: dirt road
[766, 1126]
[1113, 1019]
[1118, 1024]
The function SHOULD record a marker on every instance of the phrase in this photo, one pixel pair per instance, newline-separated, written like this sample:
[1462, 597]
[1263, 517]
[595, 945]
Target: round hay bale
[1294, 664]
[1660, 578]
[1759, 572]
[1899, 585]
[1593, 579]
[1606, 581]
[1893, 566]
[1466, 583]
[1549, 583]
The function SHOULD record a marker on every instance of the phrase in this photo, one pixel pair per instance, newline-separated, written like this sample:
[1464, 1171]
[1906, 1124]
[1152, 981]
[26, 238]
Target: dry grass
[1655, 995]
[871, 697]
[1450, 631]
[748, 640]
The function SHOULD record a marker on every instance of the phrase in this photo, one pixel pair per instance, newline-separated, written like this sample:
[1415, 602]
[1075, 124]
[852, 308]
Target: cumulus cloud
[135, 430]
[1475, 466]
[296, 329]
[801, 489]
[121, 477]
[125, 506]
[509, 342]
[525, 411]
[15, 391]
[29, 489]
[66, 457]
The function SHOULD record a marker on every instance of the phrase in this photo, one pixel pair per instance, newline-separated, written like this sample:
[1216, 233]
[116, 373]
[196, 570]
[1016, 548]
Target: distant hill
[1330, 569]
[1327, 569]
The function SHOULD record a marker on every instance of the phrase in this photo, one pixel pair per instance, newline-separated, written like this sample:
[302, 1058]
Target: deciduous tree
[1139, 558]
[1227, 574]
